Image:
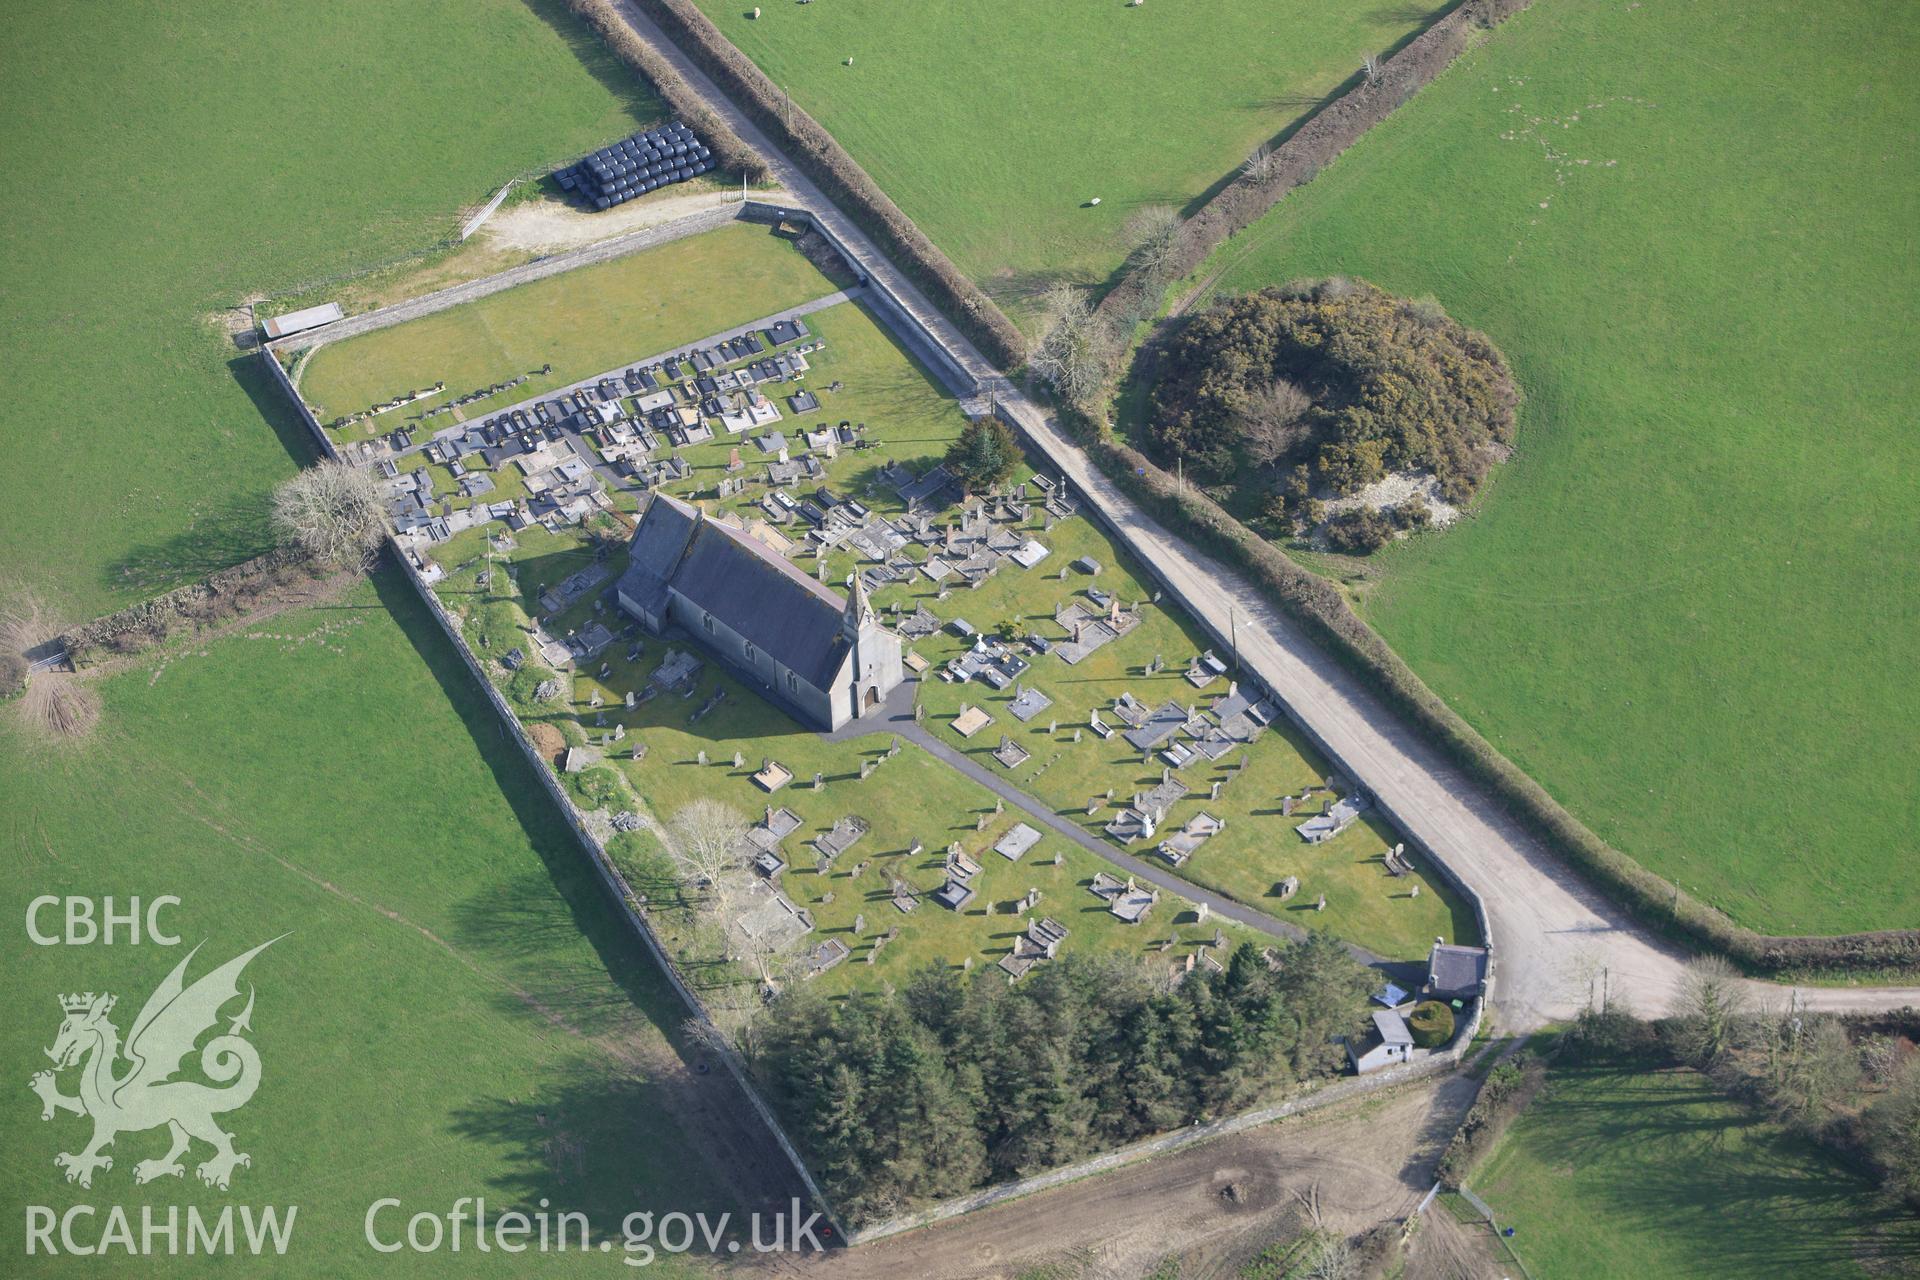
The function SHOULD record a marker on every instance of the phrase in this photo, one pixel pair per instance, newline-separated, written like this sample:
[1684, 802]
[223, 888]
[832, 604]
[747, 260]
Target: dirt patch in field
[59, 709]
[548, 741]
[546, 225]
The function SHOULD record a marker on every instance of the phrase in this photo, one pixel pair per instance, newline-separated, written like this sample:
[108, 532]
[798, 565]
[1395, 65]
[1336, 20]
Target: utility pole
[1233, 639]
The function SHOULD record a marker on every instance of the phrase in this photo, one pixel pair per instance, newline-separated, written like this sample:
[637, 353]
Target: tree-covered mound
[1324, 387]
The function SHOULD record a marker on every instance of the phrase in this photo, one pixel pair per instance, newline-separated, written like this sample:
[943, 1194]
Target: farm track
[1552, 932]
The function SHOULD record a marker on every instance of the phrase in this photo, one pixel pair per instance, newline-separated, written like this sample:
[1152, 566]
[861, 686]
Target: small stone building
[824, 657]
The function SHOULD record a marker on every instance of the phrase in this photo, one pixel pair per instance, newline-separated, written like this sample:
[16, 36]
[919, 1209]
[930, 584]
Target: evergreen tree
[985, 456]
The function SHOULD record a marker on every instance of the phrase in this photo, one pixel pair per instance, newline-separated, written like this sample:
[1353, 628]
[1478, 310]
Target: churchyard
[1258, 848]
[1664, 669]
[853, 486]
[679, 743]
[580, 323]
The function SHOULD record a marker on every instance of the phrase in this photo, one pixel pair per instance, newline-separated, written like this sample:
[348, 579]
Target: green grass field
[182, 158]
[1654, 1172]
[992, 124]
[582, 322]
[1686, 606]
[455, 1010]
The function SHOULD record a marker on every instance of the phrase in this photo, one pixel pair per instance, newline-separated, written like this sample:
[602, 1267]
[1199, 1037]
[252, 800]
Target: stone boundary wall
[610, 877]
[880, 296]
[1318, 142]
[150, 621]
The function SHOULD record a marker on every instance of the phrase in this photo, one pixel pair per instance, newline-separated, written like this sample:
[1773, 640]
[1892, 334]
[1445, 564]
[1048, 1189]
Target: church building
[825, 658]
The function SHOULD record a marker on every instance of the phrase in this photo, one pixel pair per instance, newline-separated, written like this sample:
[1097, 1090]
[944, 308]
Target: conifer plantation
[961, 1080]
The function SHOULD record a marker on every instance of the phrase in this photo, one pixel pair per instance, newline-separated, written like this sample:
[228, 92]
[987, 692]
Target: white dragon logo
[145, 1097]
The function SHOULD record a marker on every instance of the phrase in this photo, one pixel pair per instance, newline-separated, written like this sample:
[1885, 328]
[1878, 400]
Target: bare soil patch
[547, 741]
[1392, 490]
[545, 225]
[58, 708]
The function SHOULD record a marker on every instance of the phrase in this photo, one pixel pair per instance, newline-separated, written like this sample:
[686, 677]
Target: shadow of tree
[209, 542]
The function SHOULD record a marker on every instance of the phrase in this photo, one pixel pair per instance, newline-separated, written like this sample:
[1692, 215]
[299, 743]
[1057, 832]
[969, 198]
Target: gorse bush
[1431, 1023]
[1336, 376]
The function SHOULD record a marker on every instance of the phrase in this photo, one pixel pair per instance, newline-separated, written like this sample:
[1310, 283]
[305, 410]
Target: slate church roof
[748, 587]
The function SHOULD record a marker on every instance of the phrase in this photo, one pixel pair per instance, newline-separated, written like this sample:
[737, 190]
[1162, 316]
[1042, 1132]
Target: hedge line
[823, 160]
[1314, 146]
[642, 59]
[1325, 614]
[1509, 1088]
[219, 596]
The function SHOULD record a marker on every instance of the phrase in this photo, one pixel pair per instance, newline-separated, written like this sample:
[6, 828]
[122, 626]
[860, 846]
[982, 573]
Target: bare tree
[1152, 234]
[1815, 1066]
[1272, 422]
[332, 512]
[1713, 1008]
[1076, 349]
[706, 841]
[1261, 165]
